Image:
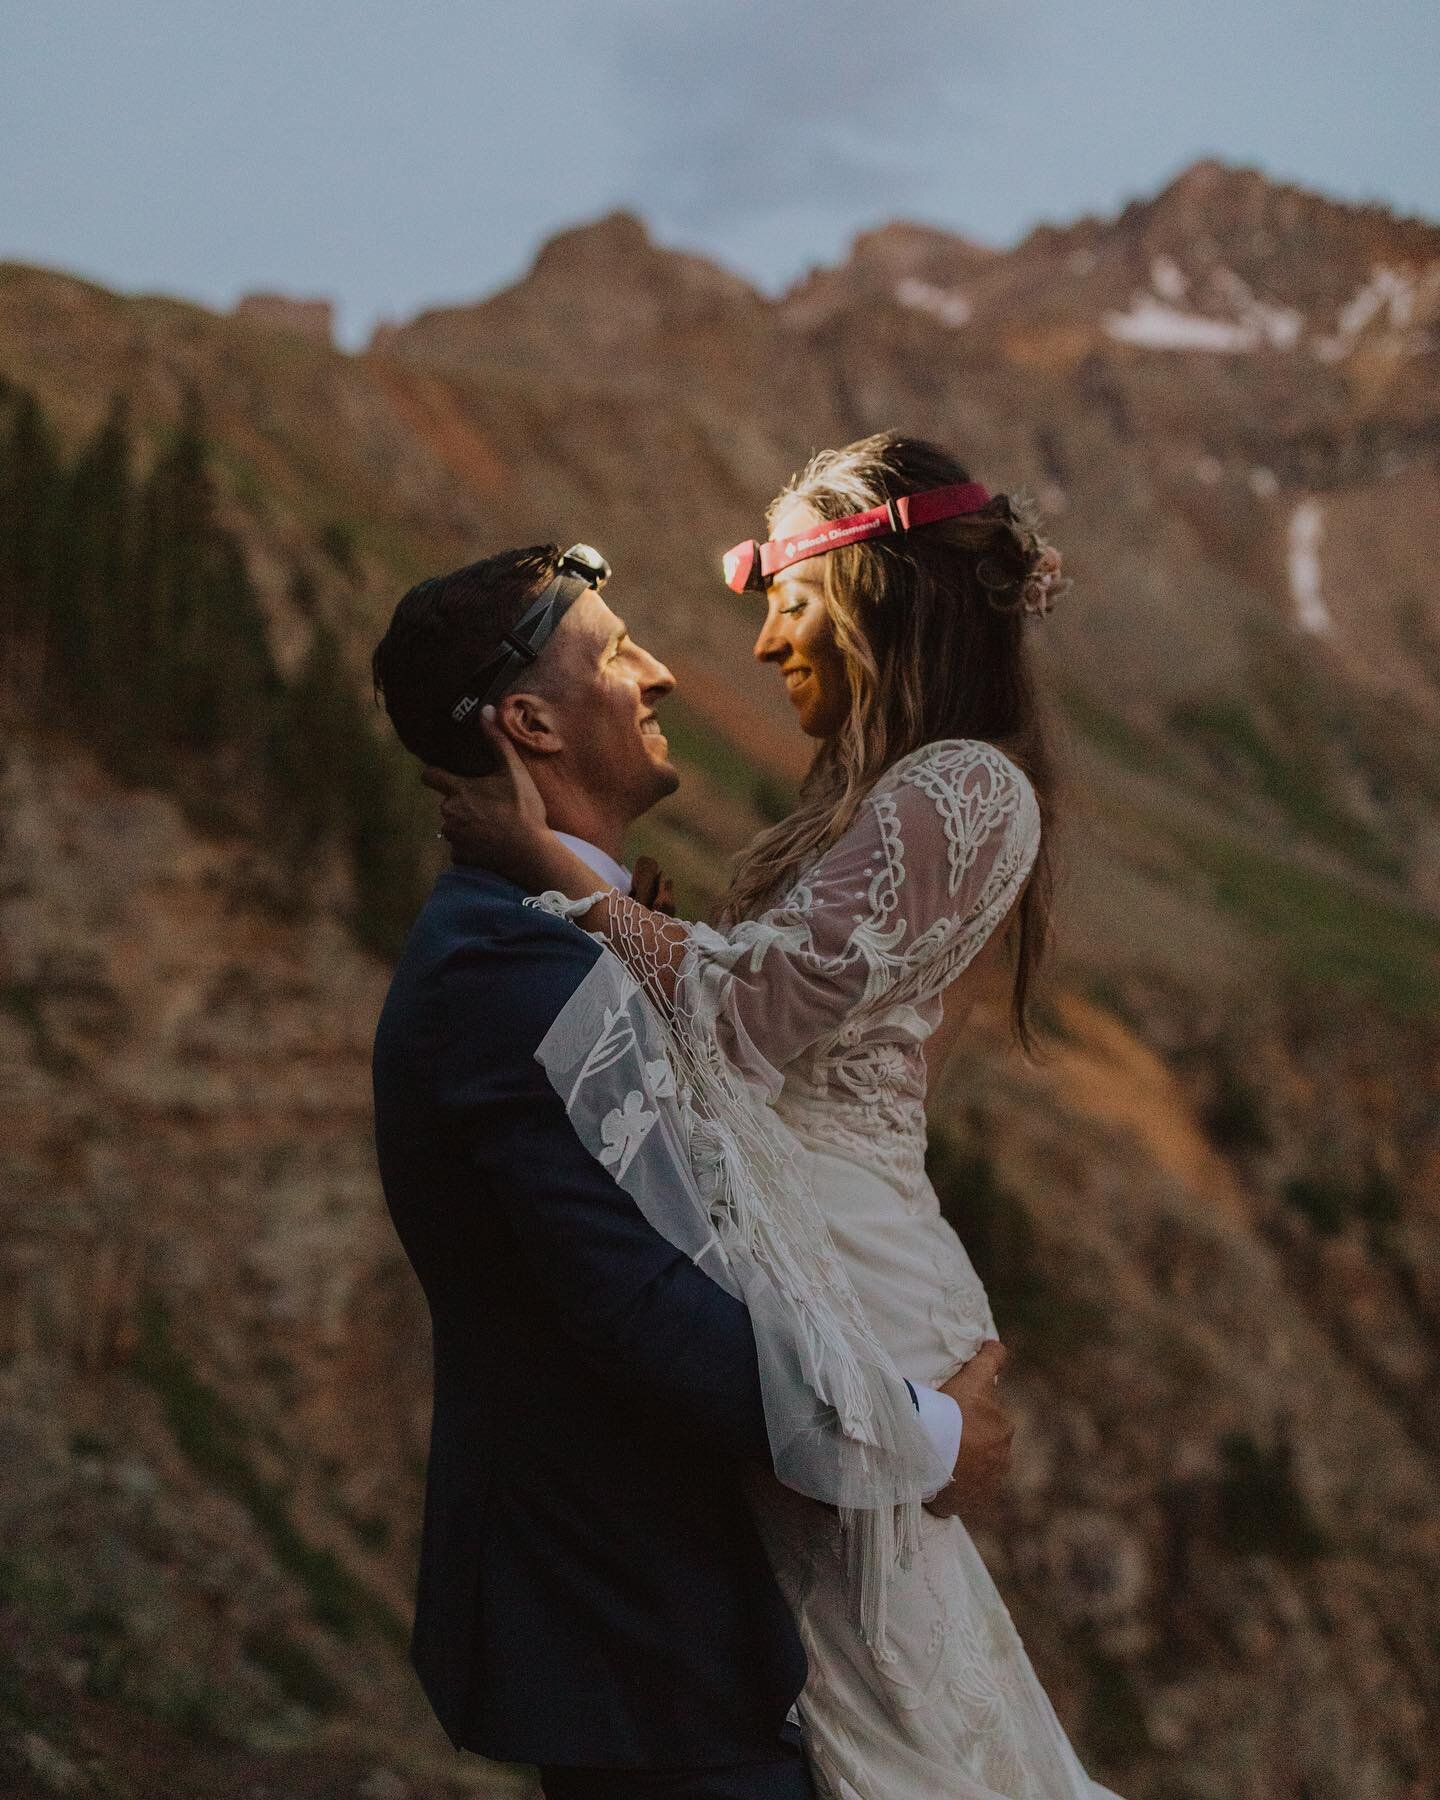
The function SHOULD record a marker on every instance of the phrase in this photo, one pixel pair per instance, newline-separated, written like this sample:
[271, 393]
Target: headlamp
[750, 566]
[582, 566]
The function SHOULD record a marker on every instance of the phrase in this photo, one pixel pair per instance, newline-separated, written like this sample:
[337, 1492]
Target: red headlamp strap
[941, 503]
[751, 565]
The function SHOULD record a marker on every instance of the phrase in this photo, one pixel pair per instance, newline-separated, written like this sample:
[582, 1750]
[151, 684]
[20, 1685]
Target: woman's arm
[893, 911]
[498, 822]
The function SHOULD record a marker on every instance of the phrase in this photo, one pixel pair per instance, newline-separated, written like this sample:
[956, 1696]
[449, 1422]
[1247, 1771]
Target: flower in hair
[1044, 584]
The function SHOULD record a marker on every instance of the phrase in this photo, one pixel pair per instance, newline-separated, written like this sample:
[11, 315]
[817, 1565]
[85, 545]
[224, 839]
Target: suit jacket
[591, 1587]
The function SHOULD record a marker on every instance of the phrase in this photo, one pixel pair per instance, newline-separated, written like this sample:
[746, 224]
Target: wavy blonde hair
[931, 625]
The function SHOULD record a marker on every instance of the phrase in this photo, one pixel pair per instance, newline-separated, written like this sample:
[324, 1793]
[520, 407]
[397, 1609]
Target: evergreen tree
[331, 775]
[129, 608]
[93, 580]
[387, 842]
[198, 650]
[310, 749]
[179, 519]
[235, 682]
[31, 485]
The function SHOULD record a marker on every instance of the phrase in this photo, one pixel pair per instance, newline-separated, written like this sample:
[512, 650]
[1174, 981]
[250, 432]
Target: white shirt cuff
[940, 1415]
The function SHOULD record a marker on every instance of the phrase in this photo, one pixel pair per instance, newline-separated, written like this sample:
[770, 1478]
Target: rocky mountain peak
[603, 287]
[616, 237]
[1224, 261]
[619, 251]
[308, 318]
[1211, 183]
[906, 247]
[919, 266]
[1215, 208]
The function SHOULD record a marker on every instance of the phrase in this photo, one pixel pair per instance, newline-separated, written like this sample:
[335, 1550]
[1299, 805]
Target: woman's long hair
[932, 627]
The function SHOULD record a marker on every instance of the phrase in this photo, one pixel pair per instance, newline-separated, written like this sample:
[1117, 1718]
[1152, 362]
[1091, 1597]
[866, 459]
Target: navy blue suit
[592, 1592]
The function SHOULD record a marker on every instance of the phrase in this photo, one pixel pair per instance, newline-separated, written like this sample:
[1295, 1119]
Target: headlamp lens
[586, 561]
[741, 566]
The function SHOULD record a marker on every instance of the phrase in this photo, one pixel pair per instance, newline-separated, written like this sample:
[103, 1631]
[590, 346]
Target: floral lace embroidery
[859, 1083]
[862, 1087]
[821, 1007]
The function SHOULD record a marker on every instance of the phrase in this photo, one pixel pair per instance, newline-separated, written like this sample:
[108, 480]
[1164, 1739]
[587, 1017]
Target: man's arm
[623, 1294]
[944, 1424]
[634, 1306]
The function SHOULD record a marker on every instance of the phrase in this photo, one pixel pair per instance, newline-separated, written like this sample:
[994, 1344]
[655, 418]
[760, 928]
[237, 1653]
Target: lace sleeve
[670, 1049]
[890, 915]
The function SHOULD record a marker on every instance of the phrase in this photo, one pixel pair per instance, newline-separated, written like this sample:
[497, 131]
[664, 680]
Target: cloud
[752, 123]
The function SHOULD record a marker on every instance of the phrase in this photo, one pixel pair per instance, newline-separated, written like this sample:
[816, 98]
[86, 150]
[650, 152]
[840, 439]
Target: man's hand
[985, 1436]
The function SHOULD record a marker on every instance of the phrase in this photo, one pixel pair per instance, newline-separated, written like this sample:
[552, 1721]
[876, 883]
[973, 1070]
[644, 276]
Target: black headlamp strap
[541, 619]
[520, 645]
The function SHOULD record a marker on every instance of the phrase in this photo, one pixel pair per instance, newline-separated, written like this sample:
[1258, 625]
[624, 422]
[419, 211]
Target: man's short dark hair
[443, 631]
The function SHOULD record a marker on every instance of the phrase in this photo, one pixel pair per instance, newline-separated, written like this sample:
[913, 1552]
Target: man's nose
[658, 679]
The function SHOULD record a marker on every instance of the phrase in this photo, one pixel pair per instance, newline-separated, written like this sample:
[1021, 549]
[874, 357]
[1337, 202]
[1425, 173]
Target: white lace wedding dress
[814, 1016]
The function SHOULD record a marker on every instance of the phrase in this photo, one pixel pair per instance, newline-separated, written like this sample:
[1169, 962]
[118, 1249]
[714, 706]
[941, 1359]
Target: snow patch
[1264, 483]
[1278, 326]
[1159, 325]
[945, 304]
[1391, 290]
[1307, 527]
[1168, 279]
[1389, 300]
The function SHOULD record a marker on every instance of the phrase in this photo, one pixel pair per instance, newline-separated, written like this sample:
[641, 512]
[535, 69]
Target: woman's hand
[496, 821]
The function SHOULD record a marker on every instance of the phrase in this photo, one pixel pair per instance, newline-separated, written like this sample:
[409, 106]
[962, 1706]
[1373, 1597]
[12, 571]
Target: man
[592, 1597]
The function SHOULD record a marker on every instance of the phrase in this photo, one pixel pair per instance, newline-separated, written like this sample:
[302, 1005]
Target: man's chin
[660, 779]
[667, 781]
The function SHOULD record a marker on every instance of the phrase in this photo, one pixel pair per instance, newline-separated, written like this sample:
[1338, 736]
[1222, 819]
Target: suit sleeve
[636, 1308]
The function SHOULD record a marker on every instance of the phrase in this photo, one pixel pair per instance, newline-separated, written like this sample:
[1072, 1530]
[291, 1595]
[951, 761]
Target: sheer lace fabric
[822, 1004]
[953, 1710]
[672, 1055]
[760, 1093]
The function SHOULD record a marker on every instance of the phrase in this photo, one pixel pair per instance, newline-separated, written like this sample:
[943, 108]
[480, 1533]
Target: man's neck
[605, 834]
[608, 868]
[571, 806]
[583, 817]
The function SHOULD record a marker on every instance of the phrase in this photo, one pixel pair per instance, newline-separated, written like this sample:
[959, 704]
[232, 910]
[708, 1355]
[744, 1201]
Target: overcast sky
[393, 155]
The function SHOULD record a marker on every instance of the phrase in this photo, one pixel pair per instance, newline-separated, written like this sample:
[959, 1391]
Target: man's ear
[530, 722]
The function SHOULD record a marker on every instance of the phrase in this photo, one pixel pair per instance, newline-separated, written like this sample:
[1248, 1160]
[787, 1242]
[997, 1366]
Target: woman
[774, 1070]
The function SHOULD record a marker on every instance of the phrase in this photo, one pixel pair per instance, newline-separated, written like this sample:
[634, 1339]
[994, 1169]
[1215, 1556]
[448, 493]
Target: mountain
[594, 291]
[1210, 1218]
[1222, 260]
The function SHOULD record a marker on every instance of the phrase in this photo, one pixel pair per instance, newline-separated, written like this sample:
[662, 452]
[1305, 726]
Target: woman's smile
[797, 623]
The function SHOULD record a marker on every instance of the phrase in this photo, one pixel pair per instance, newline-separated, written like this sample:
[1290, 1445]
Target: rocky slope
[1211, 1217]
